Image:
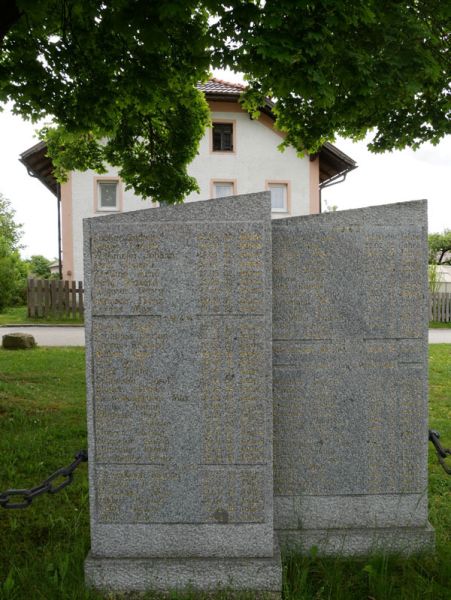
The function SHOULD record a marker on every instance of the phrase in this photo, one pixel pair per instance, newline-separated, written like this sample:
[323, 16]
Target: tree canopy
[10, 231]
[38, 267]
[440, 248]
[118, 77]
[12, 270]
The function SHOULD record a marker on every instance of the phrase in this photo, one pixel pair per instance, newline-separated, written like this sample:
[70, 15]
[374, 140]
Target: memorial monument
[350, 302]
[178, 329]
[205, 319]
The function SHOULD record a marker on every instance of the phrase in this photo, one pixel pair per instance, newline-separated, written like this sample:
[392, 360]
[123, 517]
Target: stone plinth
[178, 341]
[350, 304]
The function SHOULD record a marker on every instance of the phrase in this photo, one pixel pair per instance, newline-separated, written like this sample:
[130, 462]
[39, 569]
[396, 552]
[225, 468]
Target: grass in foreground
[17, 315]
[42, 549]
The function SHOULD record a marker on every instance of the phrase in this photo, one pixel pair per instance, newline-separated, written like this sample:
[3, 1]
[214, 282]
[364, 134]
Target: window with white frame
[279, 197]
[223, 188]
[107, 195]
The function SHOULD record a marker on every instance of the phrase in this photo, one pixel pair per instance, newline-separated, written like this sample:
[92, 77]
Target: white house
[237, 155]
[442, 279]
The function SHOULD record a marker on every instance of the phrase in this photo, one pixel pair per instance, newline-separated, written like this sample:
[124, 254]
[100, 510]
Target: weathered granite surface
[260, 575]
[178, 339]
[350, 301]
[359, 542]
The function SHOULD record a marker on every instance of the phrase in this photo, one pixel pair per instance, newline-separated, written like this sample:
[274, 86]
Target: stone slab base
[355, 542]
[263, 576]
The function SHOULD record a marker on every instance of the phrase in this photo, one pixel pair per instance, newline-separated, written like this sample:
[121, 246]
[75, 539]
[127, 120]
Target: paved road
[51, 336]
[75, 336]
[440, 336]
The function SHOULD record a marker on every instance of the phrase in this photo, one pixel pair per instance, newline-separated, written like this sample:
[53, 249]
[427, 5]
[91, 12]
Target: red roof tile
[218, 86]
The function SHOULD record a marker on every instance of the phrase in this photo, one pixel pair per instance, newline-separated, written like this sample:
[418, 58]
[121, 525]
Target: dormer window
[223, 137]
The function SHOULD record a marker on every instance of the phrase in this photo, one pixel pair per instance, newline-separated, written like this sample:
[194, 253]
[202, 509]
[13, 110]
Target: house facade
[237, 155]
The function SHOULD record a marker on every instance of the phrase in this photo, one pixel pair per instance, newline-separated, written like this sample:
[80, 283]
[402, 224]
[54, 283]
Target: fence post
[81, 308]
[73, 292]
[440, 307]
[66, 298]
[30, 298]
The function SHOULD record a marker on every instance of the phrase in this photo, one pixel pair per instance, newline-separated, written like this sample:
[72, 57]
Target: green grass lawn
[17, 315]
[437, 325]
[42, 548]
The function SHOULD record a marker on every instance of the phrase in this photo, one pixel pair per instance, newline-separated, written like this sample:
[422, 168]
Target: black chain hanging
[44, 487]
[47, 487]
[442, 452]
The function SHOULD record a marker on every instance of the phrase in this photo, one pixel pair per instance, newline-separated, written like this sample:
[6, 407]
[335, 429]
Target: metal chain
[82, 456]
[44, 487]
[442, 452]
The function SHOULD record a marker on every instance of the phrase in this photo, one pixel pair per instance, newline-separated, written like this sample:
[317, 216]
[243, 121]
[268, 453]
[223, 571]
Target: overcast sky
[379, 179]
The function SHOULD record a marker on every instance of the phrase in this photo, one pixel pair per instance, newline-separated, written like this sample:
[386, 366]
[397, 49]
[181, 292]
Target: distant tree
[13, 281]
[12, 270]
[329, 207]
[118, 77]
[440, 248]
[39, 267]
[10, 231]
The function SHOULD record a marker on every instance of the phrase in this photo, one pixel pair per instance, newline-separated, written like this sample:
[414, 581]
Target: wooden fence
[440, 307]
[52, 297]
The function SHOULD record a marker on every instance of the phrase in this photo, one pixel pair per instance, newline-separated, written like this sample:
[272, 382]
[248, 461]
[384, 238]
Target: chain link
[442, 452]
[46, 487]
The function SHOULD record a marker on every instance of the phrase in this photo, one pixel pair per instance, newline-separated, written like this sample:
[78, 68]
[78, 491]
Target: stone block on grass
[18, 341]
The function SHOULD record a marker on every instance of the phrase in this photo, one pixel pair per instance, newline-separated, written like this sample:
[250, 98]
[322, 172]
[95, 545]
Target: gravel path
[51, 336]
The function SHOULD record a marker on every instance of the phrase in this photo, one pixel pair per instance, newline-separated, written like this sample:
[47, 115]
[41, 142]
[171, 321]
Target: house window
[223, 188]
[279, 197]
[107, 194]
[222, 137]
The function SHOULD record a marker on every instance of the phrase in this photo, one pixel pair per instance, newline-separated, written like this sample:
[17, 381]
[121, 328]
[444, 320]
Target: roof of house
[218, 86]
[333, 163]
[39, 165]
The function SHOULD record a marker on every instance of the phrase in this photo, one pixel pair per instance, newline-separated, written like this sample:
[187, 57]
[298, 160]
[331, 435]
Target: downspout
[339, 178]
[58, 202]
[31, 173]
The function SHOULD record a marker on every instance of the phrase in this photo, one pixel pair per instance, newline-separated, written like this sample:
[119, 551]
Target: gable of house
[237, 155]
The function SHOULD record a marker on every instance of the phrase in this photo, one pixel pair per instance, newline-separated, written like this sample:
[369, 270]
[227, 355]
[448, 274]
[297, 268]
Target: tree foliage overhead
[119, 79]
[119, 76]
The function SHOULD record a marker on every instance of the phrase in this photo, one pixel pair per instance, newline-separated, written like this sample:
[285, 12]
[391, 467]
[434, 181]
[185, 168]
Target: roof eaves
[339, 154]
[36, 148]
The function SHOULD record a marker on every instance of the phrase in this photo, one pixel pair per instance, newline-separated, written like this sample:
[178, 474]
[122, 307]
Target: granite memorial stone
[179, 364]
[350, 303]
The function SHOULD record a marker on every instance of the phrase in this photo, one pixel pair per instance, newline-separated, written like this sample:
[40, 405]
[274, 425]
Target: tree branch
[10, 14]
